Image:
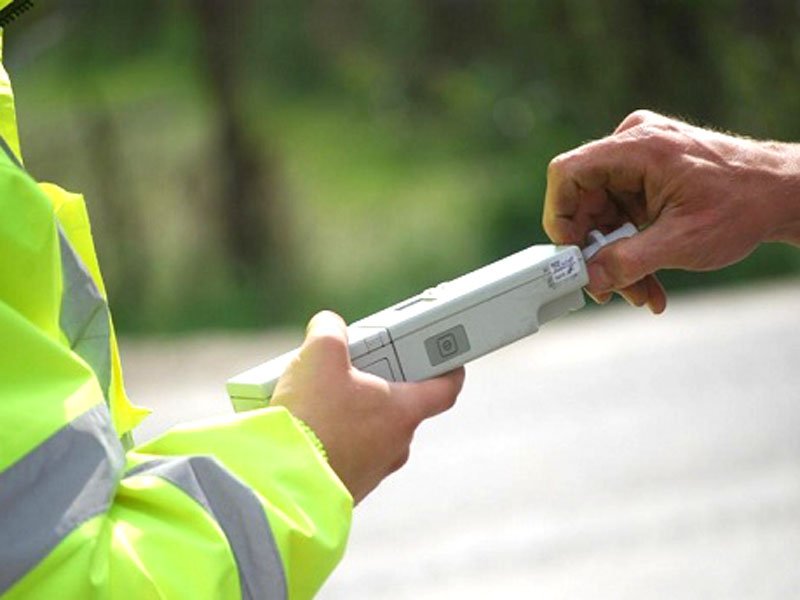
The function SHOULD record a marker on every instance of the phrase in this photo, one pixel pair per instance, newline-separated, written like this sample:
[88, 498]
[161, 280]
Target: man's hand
[703, 200]
[365, 423]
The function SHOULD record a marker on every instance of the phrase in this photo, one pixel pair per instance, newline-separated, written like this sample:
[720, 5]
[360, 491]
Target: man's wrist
[783, 201]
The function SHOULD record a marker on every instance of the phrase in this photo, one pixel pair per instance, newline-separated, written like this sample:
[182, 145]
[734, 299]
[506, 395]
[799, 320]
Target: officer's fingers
[425, 399]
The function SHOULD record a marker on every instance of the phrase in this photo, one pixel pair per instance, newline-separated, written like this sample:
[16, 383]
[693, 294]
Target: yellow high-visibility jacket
[241, 507]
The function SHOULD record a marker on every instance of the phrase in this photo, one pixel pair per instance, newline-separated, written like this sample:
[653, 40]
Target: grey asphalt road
[611, 455]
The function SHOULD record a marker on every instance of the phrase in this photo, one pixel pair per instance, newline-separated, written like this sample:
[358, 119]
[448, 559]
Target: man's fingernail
[599, 280]
[603, 298]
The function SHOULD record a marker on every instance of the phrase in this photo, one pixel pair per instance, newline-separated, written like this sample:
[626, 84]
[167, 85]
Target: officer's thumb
[431, 397]
[326, 339]
[629, 260]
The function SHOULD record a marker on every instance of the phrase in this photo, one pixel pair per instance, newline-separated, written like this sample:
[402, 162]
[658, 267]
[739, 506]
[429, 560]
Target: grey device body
[449, 325]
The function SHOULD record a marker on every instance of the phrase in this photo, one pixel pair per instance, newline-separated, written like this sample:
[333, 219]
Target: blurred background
[248, 163]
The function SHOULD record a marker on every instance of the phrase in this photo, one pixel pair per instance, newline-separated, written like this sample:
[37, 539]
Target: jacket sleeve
[244, 506]
[264, 463]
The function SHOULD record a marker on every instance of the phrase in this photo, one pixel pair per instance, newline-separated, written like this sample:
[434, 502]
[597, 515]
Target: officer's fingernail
[599, 281]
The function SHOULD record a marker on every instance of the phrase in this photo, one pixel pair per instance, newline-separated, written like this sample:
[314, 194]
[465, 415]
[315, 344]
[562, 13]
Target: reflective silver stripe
[84, 314]
[11, 156]
[239, 514]
[66, 480]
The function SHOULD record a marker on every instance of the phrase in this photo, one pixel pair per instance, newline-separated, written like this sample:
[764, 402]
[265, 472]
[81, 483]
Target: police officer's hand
[703, 200]
[365, 423]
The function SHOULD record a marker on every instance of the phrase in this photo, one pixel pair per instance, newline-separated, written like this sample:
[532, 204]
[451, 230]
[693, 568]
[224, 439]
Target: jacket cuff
[312, 437]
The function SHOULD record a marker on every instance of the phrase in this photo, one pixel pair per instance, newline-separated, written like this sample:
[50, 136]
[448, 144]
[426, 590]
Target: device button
[446, 345]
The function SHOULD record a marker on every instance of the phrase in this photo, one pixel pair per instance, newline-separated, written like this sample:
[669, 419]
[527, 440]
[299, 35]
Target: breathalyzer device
[455, 322]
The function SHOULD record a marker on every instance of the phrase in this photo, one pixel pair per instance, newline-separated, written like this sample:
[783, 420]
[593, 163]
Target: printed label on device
[564, 267]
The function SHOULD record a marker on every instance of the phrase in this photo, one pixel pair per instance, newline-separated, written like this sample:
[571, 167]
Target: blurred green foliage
[249, 163]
